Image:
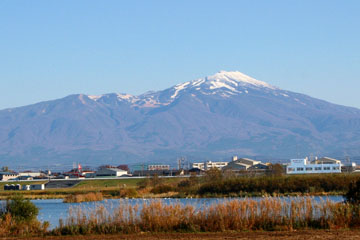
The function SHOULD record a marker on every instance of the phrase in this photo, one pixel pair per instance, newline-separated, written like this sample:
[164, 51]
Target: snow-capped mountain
[207, 118]
[223, 83]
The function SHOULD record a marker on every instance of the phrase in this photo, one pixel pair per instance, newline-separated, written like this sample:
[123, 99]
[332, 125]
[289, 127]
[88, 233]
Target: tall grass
[11, 227]
[18, 218]
[234, 215]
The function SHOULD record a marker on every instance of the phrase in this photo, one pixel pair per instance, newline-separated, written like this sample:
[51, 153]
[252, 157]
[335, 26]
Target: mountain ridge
[206, 118]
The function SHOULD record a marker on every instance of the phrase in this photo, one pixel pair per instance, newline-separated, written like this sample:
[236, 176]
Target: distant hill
[208, 118]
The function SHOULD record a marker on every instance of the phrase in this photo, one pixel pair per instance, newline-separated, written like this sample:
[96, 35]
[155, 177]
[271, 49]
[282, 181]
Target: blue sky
[50, 49]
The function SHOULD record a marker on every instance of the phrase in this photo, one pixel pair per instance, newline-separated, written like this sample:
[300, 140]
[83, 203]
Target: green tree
[353, 194]
[21, 209]
[276, 169]
[155, 180]
[213, 175]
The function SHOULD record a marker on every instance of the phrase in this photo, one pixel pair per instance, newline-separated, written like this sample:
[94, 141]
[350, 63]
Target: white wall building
[209, 164]
[304, 166]
[5, 176]
[110, 172]
[30, 174]
[158, 167]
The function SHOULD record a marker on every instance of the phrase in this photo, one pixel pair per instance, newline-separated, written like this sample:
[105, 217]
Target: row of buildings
[295, 166]
[237, 165]
[79, 172]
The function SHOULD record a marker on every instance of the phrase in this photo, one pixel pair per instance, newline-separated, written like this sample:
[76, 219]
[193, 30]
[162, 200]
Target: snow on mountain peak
[230, 82]
[224, 83]
[235, 78]
[178, 88]
[94, 97]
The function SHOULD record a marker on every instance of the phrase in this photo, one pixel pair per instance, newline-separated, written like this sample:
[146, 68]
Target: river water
[52, 210]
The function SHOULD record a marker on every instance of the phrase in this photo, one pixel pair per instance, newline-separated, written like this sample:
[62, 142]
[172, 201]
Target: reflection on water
[52, 210]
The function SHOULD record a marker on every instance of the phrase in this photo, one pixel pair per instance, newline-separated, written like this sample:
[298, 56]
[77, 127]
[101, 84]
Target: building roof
[327, 159]
[113, 169]
[259, 166]
[236, 165]
[247, 161]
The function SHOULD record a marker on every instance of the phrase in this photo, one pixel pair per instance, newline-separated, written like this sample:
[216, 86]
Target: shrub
[213, 175]
[353, 194]
[162, 189]
[18, 218]
[22, 210]
[144, 183]
[184, 184]
[155, 180]
[88, 197]
[128, 192]
[278, 184]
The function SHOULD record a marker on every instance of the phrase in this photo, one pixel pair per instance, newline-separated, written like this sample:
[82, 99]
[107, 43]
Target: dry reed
[11, 227]
[234, 215]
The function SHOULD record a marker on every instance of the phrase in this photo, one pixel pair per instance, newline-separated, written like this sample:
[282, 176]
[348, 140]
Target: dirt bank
[307, 234]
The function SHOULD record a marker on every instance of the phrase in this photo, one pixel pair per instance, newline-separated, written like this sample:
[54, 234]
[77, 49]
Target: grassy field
[107, 183]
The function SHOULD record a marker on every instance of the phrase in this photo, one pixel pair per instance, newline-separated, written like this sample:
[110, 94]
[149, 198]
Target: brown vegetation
[274, 235]
[11, 227]
[237, 215]
[88, 197]
[18, 218]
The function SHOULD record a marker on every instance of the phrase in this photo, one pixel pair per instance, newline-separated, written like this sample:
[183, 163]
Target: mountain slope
[213, 117]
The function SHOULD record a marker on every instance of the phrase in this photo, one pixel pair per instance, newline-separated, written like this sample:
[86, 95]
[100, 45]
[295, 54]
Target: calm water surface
[52, 210]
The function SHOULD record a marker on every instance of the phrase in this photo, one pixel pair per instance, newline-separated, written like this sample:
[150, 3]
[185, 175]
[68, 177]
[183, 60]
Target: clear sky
[50, 49]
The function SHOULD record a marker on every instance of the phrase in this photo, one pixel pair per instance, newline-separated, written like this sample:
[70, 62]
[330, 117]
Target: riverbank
[213, 185]
[281, 235]
[112, 194]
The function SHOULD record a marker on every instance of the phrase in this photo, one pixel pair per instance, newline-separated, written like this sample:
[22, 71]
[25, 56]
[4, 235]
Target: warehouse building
[110, 172]
[238, 164]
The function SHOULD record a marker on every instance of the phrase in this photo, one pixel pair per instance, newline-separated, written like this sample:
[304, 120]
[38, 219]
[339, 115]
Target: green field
[107, 183]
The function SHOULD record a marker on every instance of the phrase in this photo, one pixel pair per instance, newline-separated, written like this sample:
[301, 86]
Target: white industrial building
[238, 164]
[5, 176]
[158, 167]
[209, 164]
[110, 172]
[322, 165]
[30, 174]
